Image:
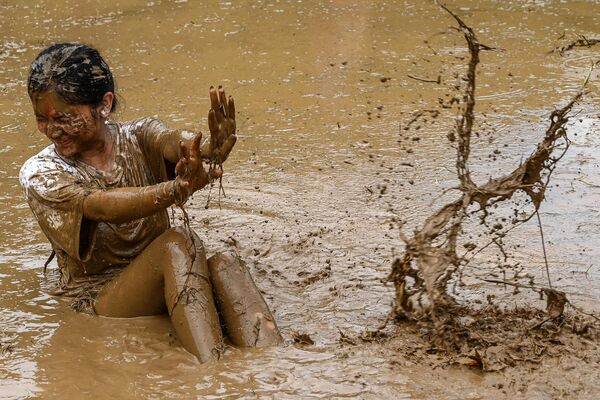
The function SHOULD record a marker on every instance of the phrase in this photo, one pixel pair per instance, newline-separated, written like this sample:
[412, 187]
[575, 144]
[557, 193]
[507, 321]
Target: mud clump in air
[488, 337]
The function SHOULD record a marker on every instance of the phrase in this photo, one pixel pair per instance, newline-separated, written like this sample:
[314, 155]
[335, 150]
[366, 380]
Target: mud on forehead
[50, 104]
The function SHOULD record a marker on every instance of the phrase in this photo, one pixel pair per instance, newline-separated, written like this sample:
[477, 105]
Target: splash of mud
[487, 337]
[582, 41]
[430, 260]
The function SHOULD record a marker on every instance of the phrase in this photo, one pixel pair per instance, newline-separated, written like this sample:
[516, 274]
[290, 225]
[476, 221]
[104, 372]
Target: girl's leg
[246, 316]
[167, 276]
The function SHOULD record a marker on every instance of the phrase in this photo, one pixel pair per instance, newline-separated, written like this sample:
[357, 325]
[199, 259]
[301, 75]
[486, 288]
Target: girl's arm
[126, 204]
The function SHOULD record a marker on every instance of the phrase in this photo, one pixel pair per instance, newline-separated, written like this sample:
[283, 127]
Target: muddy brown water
[321, 89]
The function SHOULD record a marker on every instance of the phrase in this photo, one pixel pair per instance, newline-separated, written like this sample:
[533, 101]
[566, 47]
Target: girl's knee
[221, 261]
[183, 237]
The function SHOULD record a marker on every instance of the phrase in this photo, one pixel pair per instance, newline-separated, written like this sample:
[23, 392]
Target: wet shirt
[55, 188]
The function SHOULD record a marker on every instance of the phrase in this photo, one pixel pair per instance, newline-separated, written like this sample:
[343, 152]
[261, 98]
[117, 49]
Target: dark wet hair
[75, 72]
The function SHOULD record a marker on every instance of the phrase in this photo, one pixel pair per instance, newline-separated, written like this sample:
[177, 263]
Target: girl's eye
[60, 117]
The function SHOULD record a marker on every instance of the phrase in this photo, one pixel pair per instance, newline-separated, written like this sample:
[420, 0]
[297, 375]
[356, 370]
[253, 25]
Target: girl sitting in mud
[100, 194]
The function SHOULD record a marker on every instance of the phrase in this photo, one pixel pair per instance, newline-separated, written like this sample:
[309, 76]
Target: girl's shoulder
[47, 161]
[142, 125]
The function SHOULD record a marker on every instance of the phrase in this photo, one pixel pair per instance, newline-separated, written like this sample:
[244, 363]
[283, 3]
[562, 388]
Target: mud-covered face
[72, 128]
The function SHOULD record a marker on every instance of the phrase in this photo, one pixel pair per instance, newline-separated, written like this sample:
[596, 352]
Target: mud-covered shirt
[55, 188]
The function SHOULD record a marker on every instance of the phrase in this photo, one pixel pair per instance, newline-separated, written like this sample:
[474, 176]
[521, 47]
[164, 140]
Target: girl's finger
[214, 98]
[222, 100]
[180, 168]
[230, 108]
[228, 145]
[195, 153]
[213, 126]
[183, 150]
[231, 127]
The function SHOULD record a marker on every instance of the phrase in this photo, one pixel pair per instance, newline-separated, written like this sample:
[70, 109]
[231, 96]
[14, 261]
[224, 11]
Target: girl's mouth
[63, 142]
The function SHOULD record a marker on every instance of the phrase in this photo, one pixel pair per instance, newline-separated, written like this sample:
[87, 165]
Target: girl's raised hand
[221, 123]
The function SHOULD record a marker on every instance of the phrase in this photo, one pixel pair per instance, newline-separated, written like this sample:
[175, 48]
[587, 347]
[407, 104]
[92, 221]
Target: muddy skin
[246, 316]
[158, 280]
[76, 130]
[130, 202]
[164, 267]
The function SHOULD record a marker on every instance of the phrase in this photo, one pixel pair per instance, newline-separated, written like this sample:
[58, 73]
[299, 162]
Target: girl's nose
[52, 130]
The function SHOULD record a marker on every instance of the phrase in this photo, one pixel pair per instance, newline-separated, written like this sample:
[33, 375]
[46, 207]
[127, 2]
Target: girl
[100, 194]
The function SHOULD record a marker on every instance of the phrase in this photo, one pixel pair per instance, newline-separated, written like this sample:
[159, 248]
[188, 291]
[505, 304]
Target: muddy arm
[127, 204]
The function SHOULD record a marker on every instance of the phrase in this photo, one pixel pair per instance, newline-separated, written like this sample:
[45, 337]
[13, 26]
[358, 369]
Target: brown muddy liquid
[320, 89]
